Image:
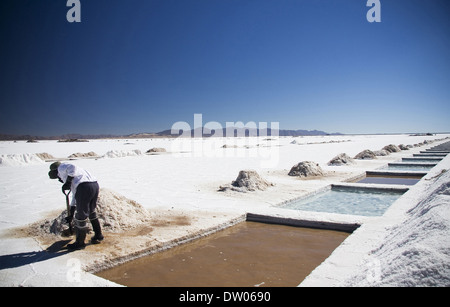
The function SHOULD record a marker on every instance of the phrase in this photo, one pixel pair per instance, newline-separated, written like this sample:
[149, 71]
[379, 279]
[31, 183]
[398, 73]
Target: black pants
[86, 200]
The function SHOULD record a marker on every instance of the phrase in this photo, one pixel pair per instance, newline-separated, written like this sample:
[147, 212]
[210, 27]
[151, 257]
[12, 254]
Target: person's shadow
[21, 259]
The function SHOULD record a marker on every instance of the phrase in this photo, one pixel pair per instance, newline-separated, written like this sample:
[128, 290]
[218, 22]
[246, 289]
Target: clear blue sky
[142, 65]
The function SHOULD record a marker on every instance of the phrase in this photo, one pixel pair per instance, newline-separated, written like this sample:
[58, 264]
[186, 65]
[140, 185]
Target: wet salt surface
[391, 180]
[346, 201]
[410, 167]
[248, 254]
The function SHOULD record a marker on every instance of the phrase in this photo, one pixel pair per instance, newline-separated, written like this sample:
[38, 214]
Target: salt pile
[366, 155]
[83, 155]
[404, 147]
[20, 159]
[416, 251]
[306, 169]
[115, 212]
[341, 159]
[118, 213]
[392, 148]
[156, 150]
[122, 153]
[381, 153]
[45, 156]
[247, 180]
[230, 146]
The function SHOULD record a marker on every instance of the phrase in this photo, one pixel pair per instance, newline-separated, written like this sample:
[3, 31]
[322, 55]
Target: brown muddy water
[245, 255]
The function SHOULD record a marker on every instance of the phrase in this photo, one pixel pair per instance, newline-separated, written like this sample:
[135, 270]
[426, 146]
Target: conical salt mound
[247, 180]
[115, 212]
[306, 169]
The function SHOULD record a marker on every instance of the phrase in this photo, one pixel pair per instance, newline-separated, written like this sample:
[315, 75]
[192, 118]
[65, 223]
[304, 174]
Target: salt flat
[179, 188]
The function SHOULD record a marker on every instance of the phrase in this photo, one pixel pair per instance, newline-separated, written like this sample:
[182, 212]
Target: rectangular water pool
[246, 255]
[354, 201]
[402, 180]
[410, 166]
[424, 160]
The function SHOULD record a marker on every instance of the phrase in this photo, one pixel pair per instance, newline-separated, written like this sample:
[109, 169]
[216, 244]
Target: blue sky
[142, 65]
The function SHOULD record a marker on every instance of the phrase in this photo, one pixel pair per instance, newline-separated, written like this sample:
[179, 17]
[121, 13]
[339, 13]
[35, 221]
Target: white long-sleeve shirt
[79, 176]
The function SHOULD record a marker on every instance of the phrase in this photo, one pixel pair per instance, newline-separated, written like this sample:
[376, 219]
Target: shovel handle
[68, 210]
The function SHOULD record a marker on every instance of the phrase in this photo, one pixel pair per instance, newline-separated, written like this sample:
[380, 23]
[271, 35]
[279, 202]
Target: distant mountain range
[28, 137]
[240, 132]
[203, 132]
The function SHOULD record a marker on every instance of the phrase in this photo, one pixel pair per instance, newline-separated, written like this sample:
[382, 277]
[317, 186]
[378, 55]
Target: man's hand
[66, 186]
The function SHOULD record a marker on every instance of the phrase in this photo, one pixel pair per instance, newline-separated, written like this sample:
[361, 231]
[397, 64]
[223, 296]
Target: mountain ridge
[205, 132]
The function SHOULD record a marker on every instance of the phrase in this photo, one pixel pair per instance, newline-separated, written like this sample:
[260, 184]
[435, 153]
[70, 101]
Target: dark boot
[98, 237]
[79, 241]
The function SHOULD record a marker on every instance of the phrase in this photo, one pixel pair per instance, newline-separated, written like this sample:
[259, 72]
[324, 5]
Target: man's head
[53, 173]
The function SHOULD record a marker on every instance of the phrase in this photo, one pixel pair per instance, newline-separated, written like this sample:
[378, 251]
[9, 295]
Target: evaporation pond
[410, 167]
[403, 180]
[366, 202]
[245, 255]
